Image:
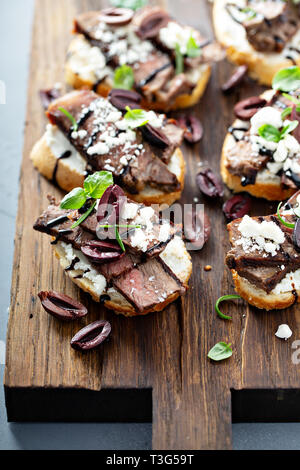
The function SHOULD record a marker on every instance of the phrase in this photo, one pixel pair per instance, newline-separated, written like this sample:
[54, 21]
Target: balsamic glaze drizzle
[57, 221]
[65, 155]
[232, 131]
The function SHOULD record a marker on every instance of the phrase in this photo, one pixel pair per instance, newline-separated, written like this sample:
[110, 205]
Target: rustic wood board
[161, 356]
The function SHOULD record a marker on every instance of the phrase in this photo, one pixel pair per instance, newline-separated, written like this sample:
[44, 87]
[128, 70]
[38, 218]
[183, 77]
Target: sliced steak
[241, 161]
[274, 24]
[148, 284]
[143, 166]
[264, 277]
[179, 85]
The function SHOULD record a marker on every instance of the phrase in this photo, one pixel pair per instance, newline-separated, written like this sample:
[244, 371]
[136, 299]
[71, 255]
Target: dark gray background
[15, 27]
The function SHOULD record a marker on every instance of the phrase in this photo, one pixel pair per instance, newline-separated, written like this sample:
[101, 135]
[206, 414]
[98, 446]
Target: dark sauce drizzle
[232, 131]
[71, 266]
[60, 234]
[65, 155]
[57, 221]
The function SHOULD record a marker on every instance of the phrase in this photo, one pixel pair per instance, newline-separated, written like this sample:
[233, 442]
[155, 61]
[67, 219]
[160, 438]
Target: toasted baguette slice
[267, 188]
[87, 79]
[259, 298]
[71, 172]
[175, 256]
[262, 66]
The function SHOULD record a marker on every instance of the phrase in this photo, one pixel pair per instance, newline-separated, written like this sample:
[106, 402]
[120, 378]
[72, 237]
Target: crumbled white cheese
[88, 61]
[267, 115]
[144, 218]
[164, 232]
[129, 210]
[284, 332]
[175, 256]
[174, 33]
[265, 236]
[291, 282]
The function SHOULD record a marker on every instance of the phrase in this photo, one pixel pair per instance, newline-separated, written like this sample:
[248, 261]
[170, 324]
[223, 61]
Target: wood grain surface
[167, 352]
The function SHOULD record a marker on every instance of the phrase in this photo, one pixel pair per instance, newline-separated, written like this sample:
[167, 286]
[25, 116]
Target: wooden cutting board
[154, 367]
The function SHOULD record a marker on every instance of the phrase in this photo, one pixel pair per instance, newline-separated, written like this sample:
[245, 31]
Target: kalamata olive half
[296, 235]
[122, 98]
[110, 205]
[237, 206]
[210, 184]
[193, 128]
[91, 336]
[62, 306]
[245, 109]
[153, 20]
[49, 95]
[99, 251]
[116, 16]
[235, 79]
[155, 136]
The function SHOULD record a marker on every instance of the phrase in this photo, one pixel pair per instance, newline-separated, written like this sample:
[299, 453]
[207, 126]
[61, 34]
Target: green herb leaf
[220, 352]
[270, 133]
[70, 117]
[288, 129]
[286, 112]
[193, 50]
[124, 78]
[287, 79]
[132, 4]
[119, 240]
[74, 200]
[96, 184]
[287, 224]
[291, 98]
[179, 60]
[221, 299]
[250, 13]
[136, 117]
[85, 215]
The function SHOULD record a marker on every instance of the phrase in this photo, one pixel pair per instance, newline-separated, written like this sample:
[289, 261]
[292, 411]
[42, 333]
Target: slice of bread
[267, 187]
[261, 299]
[175, 256]
[79, 74]
[70, 172]
[262, 66]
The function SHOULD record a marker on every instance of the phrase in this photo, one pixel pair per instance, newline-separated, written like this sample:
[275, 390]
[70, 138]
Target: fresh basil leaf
[97, 183]
[269, 132]
[119, 240]
[221, 299]
[220, 352]
[286, 112]
[85, 215]
[136, 117]
[289, 128]
[132, 4]
[192, 48]
[74, 200]
[249, 12]
[124, 78]
[287, 79]
[70, 117]
[179, 60]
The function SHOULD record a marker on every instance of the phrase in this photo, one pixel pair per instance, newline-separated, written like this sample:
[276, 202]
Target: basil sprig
[70, 117]
[123, 78]
[249, 13]
[192, 48]
[288, 110]
[94, 187]
[132, 4]
[221, 299]
[287, 79]
[220, 351]
[136, 117]
[272, 134]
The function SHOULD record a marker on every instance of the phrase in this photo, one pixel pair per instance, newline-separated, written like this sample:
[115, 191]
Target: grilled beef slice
[144, 283]
[274, 24]
[240, 160]
[145, 168]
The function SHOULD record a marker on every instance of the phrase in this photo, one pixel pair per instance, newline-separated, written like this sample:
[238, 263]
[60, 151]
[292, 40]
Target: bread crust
[259, 298]
[103, 88]
[261, 66]
[119, 304]
[269, 191]
[69, 178]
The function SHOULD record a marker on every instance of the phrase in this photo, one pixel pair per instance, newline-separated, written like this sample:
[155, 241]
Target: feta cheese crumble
[284, 332]
[265, 236]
